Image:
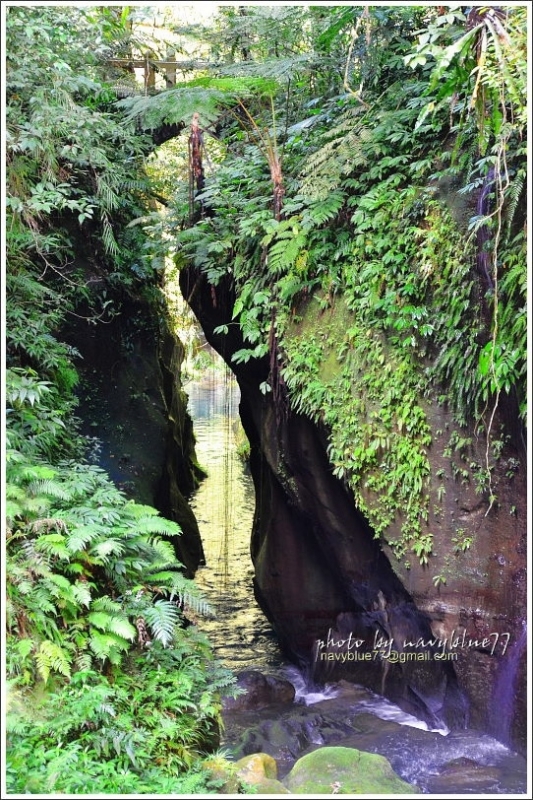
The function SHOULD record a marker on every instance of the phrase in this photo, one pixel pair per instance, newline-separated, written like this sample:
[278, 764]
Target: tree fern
[175, 106]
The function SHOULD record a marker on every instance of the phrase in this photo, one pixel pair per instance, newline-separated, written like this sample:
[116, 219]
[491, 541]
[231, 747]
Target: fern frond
[83, 662]
[81, 536]
[109, 547]
[176, 106]
[112, 624]
[107, 645]
[177, 585]
[50, 488]
[53, 658]
[514, 194]
[54, 545]
[153, 524]
[164, 552]
[263, 77]
[162, 618]
[322, 211]
[82, 593]
[106, 605]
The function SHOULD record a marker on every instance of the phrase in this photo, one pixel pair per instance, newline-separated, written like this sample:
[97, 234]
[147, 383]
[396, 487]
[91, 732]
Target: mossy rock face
[260, 771]
[258, 765]
[224, 773]
[343, 770]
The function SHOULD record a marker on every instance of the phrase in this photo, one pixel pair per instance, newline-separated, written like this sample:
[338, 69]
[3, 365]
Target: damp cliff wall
[320, 572]
[132, 405]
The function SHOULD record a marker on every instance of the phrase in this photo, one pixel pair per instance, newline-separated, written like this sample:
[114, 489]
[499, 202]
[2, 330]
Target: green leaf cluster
[380, 219]
[141, 731]
[84, 566]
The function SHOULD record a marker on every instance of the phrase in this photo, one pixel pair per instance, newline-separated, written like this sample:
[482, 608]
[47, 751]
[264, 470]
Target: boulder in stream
[260, 691]
[343, 770]
[260, 771]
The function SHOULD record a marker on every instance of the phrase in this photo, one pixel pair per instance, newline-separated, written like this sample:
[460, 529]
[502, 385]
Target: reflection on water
[224, 508]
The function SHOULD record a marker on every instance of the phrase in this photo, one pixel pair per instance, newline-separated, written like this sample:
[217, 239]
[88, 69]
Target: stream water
[438, 762]
[224, 508]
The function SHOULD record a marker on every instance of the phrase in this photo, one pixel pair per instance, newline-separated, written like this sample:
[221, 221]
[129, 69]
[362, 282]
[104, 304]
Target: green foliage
[378, 430]
[85, 566]
[73, 173]
[95, 597]
[142, 731]
[378, 209]
[111, 689]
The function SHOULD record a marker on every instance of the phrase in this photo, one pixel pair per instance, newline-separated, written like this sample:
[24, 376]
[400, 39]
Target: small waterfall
[306, 691]
[461, 761]
[505, 686]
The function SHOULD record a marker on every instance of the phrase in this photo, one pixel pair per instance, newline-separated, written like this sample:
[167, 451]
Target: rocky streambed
[349, 716]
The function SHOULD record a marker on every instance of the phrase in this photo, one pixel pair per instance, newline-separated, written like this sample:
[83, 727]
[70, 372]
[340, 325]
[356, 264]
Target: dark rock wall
[320, 574]
[485, 589]
[132, 403]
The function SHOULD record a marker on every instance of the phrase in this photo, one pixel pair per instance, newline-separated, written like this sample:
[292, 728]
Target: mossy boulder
[260, 771]
[343, 770]
[223, 773]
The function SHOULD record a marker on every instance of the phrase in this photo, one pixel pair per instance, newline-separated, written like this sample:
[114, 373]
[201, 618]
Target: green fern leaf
[157, 525]
[83, 662]
[53, 544]
[107, 645]
[122, 628]
[164, 552]
[162, 618]
[109, 547]
[99, 619]
[106, 605]
[52, 657]
[50, 488]
[82, 593]
[81, 536]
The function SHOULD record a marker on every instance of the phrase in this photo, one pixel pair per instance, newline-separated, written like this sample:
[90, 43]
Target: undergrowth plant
[126, 692]
[141, 730]
[110, 687]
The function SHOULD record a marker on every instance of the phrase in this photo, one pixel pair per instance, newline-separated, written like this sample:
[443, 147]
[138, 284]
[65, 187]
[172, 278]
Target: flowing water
[224, 507]
[438, 762]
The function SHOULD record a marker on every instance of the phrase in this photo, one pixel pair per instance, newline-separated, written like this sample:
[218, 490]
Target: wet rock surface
[260, 691]
[134, 412]
[318, 567]
[464, 761]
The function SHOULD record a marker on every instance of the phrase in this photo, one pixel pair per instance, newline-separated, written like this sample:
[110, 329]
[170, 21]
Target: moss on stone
[257, 766]
[343, 770]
